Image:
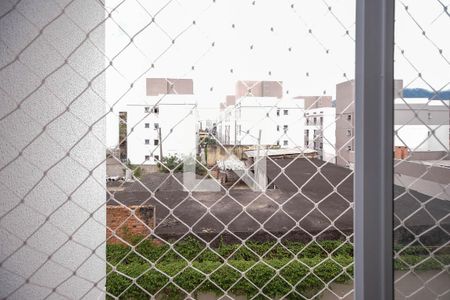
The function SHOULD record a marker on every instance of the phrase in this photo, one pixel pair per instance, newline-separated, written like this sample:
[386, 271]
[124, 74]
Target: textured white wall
[51, 164]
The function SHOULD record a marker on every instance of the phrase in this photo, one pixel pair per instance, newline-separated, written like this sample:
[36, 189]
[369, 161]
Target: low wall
[219, 152]
[122, 222]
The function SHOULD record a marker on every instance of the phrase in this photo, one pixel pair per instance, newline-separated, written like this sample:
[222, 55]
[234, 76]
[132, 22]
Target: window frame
[373, 178]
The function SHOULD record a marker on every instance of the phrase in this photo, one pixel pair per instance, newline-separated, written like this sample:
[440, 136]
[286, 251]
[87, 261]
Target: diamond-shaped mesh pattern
[229, 152]
[421, 135]
[261, 210]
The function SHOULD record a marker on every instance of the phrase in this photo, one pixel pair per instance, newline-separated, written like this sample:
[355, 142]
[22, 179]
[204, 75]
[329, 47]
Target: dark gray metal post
[374, 149]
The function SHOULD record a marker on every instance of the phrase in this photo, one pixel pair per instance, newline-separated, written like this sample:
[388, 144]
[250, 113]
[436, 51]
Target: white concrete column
[52, 174]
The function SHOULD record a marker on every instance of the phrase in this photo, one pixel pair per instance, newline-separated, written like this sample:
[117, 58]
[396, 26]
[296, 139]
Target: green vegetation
[209, 140]
[170, 163]
[272, 267]
[174, 163]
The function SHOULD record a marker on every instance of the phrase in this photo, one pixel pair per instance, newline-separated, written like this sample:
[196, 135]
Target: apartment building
[163, 123]
[249, 88]
[345, 121]
[312, 102]
[421, 124]
[263, 120]
[257, 106]
[169, 86]
[320, 132]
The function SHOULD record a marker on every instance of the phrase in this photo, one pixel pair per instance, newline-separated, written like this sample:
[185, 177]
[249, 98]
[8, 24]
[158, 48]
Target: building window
[315, 120]
[349, 148]
[156, 142]
[156, 157]
[349, 132]
[285, 143]
[278, 112]
[306, 143]
[349, 117]
[156, 125]
[321, 146]
[155, 110]
[147, 109]
[321, 120]
[278, 143]
[147, 157]
[147, 142]
[285, 112]
[285, 128]
[278, 127]
[147, 125]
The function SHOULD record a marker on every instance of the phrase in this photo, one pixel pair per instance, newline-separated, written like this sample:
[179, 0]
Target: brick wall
[137, 224]
[401, 152]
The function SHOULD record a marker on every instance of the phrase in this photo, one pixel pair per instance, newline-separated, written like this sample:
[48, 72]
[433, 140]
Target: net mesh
[228, 155]
[421, 196]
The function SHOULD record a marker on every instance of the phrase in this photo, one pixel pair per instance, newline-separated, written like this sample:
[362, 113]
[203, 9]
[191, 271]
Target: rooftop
[312, 197]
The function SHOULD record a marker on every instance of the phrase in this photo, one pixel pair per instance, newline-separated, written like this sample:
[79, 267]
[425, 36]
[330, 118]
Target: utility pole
[160, 144]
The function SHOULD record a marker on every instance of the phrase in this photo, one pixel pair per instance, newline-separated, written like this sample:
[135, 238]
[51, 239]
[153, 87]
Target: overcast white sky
[257, 46]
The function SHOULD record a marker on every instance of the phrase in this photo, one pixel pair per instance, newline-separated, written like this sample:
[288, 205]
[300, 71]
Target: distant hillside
[422, 93]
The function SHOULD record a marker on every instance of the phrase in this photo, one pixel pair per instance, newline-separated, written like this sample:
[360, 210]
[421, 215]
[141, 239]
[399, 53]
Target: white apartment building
[280, 122]
[421, 124]
[164, 124]
[320, 132]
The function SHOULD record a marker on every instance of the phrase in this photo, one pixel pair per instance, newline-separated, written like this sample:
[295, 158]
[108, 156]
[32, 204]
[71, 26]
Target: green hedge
[266, 265]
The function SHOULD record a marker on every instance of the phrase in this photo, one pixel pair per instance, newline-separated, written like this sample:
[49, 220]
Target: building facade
[421, 124]
[161, 126]
[264, 121]
[345, 121]
[320, 132]
[249, 88]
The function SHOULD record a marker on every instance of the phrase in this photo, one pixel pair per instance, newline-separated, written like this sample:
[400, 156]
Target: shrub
[274, 268]
[137, 172]
[170, 163]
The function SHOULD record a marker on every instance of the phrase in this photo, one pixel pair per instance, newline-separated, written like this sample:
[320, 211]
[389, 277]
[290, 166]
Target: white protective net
[421, 138]
[224, 133]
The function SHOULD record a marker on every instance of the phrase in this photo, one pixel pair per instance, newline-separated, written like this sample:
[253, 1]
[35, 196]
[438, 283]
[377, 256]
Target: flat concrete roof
[282, 151]
[312, 198]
